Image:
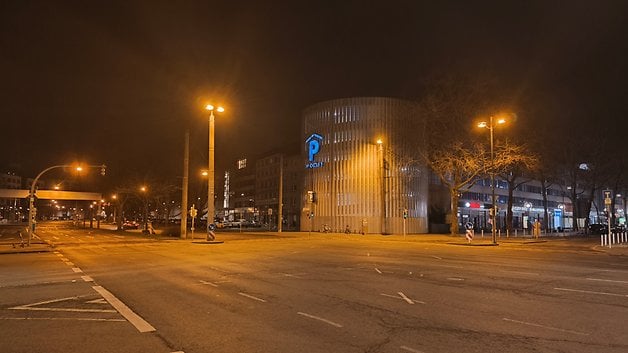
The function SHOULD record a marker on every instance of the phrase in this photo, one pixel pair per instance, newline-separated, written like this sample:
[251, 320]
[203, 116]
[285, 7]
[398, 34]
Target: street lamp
[31, 203]
[143, 189]
[210, 170]
[380, 150]
[490, 126]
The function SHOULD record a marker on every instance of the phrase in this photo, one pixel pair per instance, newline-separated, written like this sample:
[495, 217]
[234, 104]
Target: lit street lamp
[490, 126]
[210, 171]
[31, 203]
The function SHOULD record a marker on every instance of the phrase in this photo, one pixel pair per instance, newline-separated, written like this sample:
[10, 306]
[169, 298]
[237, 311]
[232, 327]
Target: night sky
[119, 82]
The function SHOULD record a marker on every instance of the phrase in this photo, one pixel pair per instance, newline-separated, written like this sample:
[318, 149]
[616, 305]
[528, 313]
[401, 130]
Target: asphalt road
[101, 291]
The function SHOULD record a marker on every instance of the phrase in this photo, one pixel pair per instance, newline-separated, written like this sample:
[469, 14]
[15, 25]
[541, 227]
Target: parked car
[130, 225]
[598, 228]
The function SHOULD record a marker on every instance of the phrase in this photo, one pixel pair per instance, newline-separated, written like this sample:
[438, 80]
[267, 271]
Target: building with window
[360, 167]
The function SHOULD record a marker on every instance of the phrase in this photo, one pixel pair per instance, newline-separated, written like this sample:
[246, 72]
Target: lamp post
[490, 126]
[143, 189]
[31, 203]
[210, 171]
[380, 150]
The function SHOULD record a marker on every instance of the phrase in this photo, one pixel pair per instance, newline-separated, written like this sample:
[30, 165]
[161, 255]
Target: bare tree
[458, 168]
[517, 164]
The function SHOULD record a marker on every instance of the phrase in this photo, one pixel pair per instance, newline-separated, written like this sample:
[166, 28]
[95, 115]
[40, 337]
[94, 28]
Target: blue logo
[313, 144]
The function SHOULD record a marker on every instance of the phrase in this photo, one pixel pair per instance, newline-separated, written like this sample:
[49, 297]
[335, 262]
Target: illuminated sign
[313, 146]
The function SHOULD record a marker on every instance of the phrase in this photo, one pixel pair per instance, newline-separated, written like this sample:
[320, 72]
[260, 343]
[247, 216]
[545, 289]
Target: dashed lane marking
[87, 279]
[320, 319]
[406, 348]
[398, 297]
[209, 283]
[546, 327]
[139, 323]
[69, 263]
[437, 257]
[252, 297]
[378, 271]
[592, 292]
[77, 270]
[606, 280]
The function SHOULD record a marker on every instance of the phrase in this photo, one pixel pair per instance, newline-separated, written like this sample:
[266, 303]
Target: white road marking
[403, 296]
[60, 318]
[97, 301]
[291, 275]
[69, 263]
[398, 297]
[591, 292]
[59, 254]
[36, 307]
[546, 327]
[606, 280]
[437, 257]
[118, 236]
[378, 271]
[455, 279]
[77, 270]
[87, 279]
[406, 348]
[211, 284]
[139, 323]
[178, 352]
[320, 319]
[55, 237]
[252, 297]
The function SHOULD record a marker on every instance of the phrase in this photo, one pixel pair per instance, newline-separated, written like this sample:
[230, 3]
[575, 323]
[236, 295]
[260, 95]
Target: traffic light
[103, 169]
[405, 213]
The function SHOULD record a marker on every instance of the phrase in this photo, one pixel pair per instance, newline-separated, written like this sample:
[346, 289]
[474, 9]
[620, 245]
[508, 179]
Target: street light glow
[482, 124]
[210, 107]
[379, 141]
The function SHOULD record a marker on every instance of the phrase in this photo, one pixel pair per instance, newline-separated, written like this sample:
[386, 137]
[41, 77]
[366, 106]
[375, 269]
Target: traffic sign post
[607, 203]
[193, 213]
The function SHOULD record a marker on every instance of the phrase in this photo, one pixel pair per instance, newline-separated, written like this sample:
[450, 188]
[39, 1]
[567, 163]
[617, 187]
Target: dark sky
[118, 82]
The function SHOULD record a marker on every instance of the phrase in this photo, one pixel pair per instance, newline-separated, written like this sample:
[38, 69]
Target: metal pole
[210, 177]
[383, 190]
[280, 199]
[31, 203]
[184, 189]
[493, 230]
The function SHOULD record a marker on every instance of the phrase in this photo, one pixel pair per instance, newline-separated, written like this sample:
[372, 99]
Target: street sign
[607, 196]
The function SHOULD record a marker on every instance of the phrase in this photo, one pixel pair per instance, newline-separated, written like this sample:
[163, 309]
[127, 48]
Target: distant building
[267, 189]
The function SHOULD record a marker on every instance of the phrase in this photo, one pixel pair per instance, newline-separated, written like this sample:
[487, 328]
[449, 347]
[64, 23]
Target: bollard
[482, 232]
[500, 233]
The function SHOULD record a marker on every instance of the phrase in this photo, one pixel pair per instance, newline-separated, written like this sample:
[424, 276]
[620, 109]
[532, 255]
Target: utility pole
[184, 192]
[280, 205]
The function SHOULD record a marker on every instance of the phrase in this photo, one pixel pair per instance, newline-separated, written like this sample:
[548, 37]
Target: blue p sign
[313, 146]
